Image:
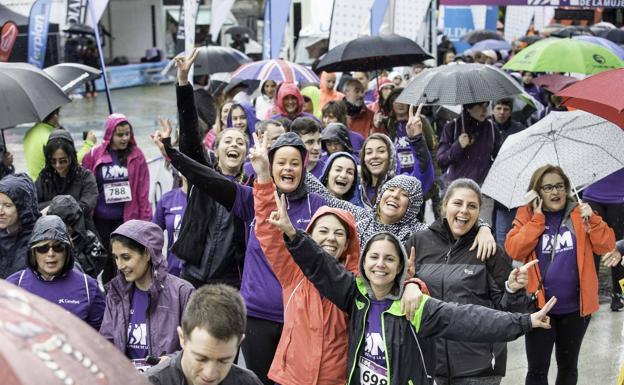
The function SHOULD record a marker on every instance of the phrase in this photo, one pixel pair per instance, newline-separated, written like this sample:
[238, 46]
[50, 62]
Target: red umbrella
[555, 82]
[597, 95]
[44, 344]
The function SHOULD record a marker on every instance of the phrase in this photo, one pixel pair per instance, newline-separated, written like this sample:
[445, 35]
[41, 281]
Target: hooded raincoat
[453, 273]
[311, 322]
[353, 195]
[402, 341]
[336, 132]
[14, 246]
[138, 174]
[88, 251]
[263, 103]
[528, 227]
[168, 296]
[72, 290]
[314, 94]
[328, 95]
[284, 90]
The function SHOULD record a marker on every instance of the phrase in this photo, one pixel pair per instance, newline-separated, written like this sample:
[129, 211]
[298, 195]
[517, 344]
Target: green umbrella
[564, 55]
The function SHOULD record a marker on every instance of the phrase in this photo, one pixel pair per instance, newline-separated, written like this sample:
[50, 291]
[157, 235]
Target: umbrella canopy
[530, 39]
[239, 30]
[587, 147]
[615, 35]
[277, 70]
[478, 35]
[554, 82]
[79, 29]
[525, 105]
[601, 41]
[368, 53]
[491, 44]
[27, 94]
[595, 94]
[214, 59]
[72, 75]
[44, 344]
[564, 55]
[459, 84]
[571, 30]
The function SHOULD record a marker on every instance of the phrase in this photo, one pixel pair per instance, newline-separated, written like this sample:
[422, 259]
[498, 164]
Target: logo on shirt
[137, 335]
[564, 242]
[114, 172]
[68, 301]
[374, 344]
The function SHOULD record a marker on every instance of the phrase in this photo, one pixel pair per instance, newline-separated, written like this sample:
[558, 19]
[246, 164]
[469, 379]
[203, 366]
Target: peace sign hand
[540, 319]
[519, 277]
[414, 124]
[184, 66]
[259, 157]
[280, 219]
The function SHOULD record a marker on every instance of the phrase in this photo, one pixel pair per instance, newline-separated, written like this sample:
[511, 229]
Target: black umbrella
[478, 35]
[27, 94]
[530, 39]
[214, 59]
[79, 29]
[571, 30]
[615, 35]
[72, 75]
[455, 84]
[238, 30]
[369, 53]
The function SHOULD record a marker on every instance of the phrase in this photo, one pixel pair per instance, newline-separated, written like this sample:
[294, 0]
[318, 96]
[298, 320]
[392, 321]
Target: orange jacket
[313, 346]
[600, 239]
[362, 123]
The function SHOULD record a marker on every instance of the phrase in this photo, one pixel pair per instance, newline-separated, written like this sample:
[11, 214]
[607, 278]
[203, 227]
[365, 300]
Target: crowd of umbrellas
[587, 142]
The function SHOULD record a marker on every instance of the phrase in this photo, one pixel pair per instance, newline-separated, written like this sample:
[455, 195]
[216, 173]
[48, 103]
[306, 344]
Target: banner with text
[38, 24]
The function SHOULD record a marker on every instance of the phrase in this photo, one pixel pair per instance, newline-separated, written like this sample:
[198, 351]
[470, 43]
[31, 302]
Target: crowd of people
[296, 232]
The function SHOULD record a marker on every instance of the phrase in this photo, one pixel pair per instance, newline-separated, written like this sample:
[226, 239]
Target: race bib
[117, 192]
[406, 159]
[372, 373]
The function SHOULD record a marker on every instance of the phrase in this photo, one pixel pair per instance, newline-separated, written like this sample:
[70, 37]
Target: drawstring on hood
[397, 291]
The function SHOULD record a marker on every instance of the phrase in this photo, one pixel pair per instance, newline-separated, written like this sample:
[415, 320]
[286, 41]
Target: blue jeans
[503, 219]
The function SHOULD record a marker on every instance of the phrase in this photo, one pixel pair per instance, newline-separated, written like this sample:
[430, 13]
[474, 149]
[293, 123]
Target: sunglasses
[57, 248]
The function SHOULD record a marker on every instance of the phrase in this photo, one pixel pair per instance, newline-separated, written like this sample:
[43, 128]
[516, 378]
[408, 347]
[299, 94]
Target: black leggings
[566, 335]
[259, 346]
[613, 215]
[105, 227]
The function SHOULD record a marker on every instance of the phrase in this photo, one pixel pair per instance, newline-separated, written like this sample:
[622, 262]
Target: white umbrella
[587, 147]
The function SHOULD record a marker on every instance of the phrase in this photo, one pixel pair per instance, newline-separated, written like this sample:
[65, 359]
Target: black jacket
[408, 345]
[169, 372]
[453, 273]
[510, 127]
[213, 243]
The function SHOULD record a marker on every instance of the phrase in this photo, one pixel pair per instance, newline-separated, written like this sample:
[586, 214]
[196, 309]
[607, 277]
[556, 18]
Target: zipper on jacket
[383, 333]
[147, 325]
[446, 348]
[360, 341]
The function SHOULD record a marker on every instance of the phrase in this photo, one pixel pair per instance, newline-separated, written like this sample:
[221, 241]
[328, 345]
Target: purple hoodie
[138, 174]
[250, 113]
[168, 296]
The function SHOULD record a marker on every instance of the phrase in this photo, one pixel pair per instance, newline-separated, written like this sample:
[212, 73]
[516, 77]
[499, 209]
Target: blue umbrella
[491, 44]
[608, 44]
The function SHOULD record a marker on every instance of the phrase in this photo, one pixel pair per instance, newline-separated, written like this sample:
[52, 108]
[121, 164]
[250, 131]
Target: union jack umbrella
[277, 70]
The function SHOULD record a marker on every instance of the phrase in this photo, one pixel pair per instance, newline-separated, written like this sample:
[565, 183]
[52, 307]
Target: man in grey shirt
[213, 326]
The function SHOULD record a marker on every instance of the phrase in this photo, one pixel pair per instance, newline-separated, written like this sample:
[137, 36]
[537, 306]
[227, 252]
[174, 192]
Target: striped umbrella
[277, 70]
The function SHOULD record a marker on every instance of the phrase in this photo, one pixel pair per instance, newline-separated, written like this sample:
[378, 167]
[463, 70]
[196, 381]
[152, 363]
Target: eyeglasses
[547, 188]
[57, 248]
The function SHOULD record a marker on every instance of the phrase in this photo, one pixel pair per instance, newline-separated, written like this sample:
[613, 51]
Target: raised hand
[540, 319]
[586, 210]
[465, 140]
[184, 63]
[537, 205]
[411, 263]
[519, 277]
[280, 218]
[414, 125]
[484, 243]
[159, 135]
[259, 157]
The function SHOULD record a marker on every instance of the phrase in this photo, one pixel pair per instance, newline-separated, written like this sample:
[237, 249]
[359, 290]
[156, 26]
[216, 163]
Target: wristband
[421, 284]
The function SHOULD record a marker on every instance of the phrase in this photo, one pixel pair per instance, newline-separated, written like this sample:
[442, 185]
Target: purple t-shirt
[357, 141]
[406, 161]
[317, 171]
[168, 216]
[609, 189]
[109, 173]
[560, 270]
[372, 360]
[137, 346]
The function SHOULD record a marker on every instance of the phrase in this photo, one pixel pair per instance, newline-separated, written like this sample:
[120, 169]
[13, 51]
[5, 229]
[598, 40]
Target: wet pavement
[602, 353]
